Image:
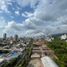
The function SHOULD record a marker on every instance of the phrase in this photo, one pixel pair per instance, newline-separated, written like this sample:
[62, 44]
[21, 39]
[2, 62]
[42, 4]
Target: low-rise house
[63, 37]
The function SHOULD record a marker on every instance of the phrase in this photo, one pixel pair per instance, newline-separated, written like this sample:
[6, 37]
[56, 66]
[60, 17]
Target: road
[35, 63]
[37, 58]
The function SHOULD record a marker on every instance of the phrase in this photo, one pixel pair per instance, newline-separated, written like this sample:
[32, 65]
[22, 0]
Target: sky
[33, 18]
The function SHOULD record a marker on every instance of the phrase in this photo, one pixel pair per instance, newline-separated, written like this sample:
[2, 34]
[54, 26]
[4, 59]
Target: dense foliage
[60, 48]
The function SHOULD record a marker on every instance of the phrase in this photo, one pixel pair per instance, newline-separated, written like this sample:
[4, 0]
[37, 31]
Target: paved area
[35, 63]
[38, 52]
[35, 59]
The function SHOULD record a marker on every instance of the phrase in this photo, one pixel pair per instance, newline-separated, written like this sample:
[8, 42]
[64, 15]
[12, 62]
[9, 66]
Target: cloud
[4, 5]
[33, 33]
[48, 17]
[27, 14]
[14, 26]
[25, 3]
[17, 13]
[51, 15]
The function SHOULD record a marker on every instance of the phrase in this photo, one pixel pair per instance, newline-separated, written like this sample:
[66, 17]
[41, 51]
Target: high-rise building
[4, 36]
[16, 37]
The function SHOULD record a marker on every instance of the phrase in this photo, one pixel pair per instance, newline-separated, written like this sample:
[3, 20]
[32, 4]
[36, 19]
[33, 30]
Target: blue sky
[33, 17]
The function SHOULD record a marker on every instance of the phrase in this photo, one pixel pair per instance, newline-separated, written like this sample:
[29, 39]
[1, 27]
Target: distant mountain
[54, 35]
